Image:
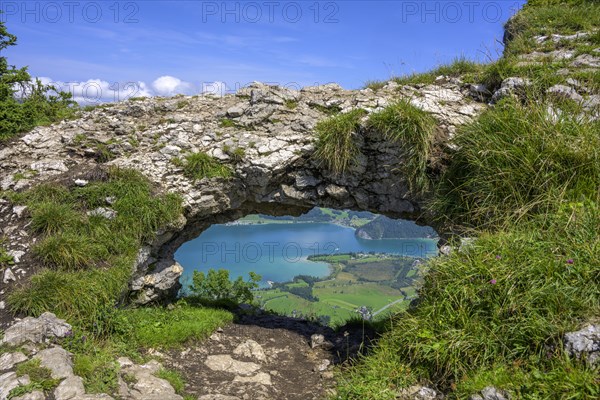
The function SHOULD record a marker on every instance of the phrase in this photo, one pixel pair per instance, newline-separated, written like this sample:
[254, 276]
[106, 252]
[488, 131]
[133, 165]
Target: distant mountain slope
[386, 228]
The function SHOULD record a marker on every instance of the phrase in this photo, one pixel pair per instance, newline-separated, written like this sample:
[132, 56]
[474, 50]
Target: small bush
[336, 145]
[216, 286]
[414, 129]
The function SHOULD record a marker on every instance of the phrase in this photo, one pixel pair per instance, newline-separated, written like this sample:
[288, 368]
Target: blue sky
[166, 47]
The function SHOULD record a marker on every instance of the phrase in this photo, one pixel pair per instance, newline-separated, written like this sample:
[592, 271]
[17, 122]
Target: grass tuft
[414, 129]
[336, 145]
[516, 161]
[200, 165]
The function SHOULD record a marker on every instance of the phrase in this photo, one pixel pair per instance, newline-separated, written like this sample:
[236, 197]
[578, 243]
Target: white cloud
[170, 86]
[96, 91]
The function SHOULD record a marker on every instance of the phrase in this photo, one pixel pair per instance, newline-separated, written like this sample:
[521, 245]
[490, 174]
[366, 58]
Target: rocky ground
[259, 357]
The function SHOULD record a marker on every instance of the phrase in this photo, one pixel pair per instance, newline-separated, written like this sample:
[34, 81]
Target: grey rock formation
[509, 87]
[565, 92]
[57, 360]
[250, 349]
[9, 381]
[36, 330]
[490, 393]
[418, 393]
[226, 363]
[8, 360]
[584, 343]
[36, 395]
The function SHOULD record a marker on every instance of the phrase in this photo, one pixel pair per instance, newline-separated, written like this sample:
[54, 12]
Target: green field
[379, 282]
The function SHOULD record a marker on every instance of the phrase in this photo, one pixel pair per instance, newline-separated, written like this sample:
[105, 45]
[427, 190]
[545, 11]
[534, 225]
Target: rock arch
[276, 173]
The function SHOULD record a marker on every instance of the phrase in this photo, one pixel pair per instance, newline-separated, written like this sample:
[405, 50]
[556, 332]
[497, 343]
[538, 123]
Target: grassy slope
[87, 264]
[495, 312]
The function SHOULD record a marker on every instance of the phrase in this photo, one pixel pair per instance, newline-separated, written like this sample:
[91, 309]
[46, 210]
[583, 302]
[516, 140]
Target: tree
[216, 285]
[37, 104]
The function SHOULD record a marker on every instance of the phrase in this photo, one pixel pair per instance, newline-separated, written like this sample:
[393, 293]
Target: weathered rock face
[584, 343]
[273, 126]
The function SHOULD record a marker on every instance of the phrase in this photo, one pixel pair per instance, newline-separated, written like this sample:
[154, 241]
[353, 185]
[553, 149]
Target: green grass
[459, 67]
[40, 377]
[514, 161]
[336, 146]
[5, 258]
[414, 129]
[502, 304]
[200, 165]
[88, 259]
[174, 378]
[495, 313]
[160, 327]
[546, 17]
[228, 123]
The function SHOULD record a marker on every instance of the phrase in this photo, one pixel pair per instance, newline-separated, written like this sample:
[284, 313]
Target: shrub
[216, 286]
[37, 104]
[336, 145]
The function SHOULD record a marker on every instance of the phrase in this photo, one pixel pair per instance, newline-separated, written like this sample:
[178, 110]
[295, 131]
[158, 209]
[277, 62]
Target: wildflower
[498, 257]
[493, 281]
[570, 261]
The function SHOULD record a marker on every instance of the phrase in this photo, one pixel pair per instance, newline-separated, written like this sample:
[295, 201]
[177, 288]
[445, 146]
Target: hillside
[505, 155]
[387, 228]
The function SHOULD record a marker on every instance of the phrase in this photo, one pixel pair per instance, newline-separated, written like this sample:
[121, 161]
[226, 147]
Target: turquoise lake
[278, 252]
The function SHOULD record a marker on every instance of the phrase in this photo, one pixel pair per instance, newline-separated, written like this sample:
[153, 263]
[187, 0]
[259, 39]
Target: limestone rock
[160, 284]
[9, 381]
[70, 388]
[49, 166]
[36, 330]
[418, 393]
[490, 393]
[225, 363]
[36, 395]
[511, 86]
[565, 92]
[9, 276]
[318, 340]
[58, 360]
[8, 360]
[584, 343]
[250, 349]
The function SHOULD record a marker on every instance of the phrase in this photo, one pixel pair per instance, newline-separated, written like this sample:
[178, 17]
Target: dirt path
[265, 357]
